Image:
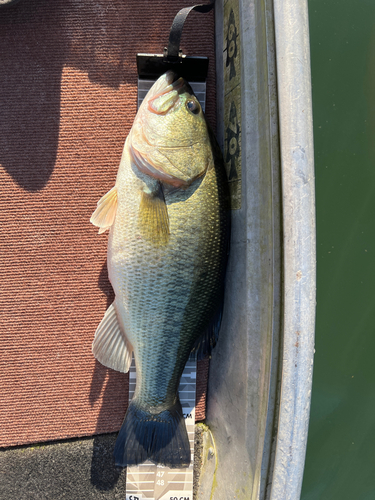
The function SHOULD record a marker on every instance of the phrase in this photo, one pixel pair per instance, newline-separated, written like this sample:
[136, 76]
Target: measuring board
[156, 482]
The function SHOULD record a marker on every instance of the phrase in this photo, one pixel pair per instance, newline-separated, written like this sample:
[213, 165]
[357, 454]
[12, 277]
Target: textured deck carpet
[68, 85]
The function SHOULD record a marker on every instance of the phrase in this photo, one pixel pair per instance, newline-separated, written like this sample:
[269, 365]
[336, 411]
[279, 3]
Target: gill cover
[169, 140]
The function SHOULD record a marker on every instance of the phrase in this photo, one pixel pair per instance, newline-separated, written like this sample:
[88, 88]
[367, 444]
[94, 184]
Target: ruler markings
[165, 480]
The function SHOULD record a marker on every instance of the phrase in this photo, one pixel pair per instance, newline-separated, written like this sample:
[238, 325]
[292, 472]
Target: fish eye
[193, 106]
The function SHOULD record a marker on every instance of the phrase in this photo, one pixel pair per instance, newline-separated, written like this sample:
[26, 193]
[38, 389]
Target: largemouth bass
[168, 216]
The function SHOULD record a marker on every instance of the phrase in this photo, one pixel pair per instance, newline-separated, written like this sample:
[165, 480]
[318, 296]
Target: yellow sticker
[232, 100]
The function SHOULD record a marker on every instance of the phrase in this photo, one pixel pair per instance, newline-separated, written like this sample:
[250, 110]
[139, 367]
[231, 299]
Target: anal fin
[104, 215]
[110, 346]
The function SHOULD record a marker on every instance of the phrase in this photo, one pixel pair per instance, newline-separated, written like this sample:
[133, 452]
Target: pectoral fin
[105, 213]
[153, 218]
[110, 345]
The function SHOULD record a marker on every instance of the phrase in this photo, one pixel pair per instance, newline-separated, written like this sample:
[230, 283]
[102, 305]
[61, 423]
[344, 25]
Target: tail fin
[161, 438]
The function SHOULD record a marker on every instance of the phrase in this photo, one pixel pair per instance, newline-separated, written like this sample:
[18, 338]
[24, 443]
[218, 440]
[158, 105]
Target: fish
[168, 217]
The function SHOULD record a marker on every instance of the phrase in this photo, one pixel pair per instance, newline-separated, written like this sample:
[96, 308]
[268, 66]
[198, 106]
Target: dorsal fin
[207, 341]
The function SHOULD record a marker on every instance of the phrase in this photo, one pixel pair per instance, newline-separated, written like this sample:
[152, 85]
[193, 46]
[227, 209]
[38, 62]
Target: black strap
[172, 53]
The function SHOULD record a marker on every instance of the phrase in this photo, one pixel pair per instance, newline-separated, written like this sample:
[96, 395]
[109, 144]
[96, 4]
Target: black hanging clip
[194, 69]
[172, 53]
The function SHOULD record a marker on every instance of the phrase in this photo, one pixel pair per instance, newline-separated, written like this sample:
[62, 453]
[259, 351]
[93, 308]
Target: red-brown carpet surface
[68, 88]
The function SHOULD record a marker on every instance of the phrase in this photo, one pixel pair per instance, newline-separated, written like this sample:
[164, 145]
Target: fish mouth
[173, 86]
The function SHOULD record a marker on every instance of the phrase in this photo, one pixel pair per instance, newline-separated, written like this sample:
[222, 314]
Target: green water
[340, 462]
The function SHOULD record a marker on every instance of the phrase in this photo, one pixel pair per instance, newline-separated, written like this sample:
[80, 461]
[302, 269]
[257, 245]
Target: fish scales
[168, 284]
[157, 287]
